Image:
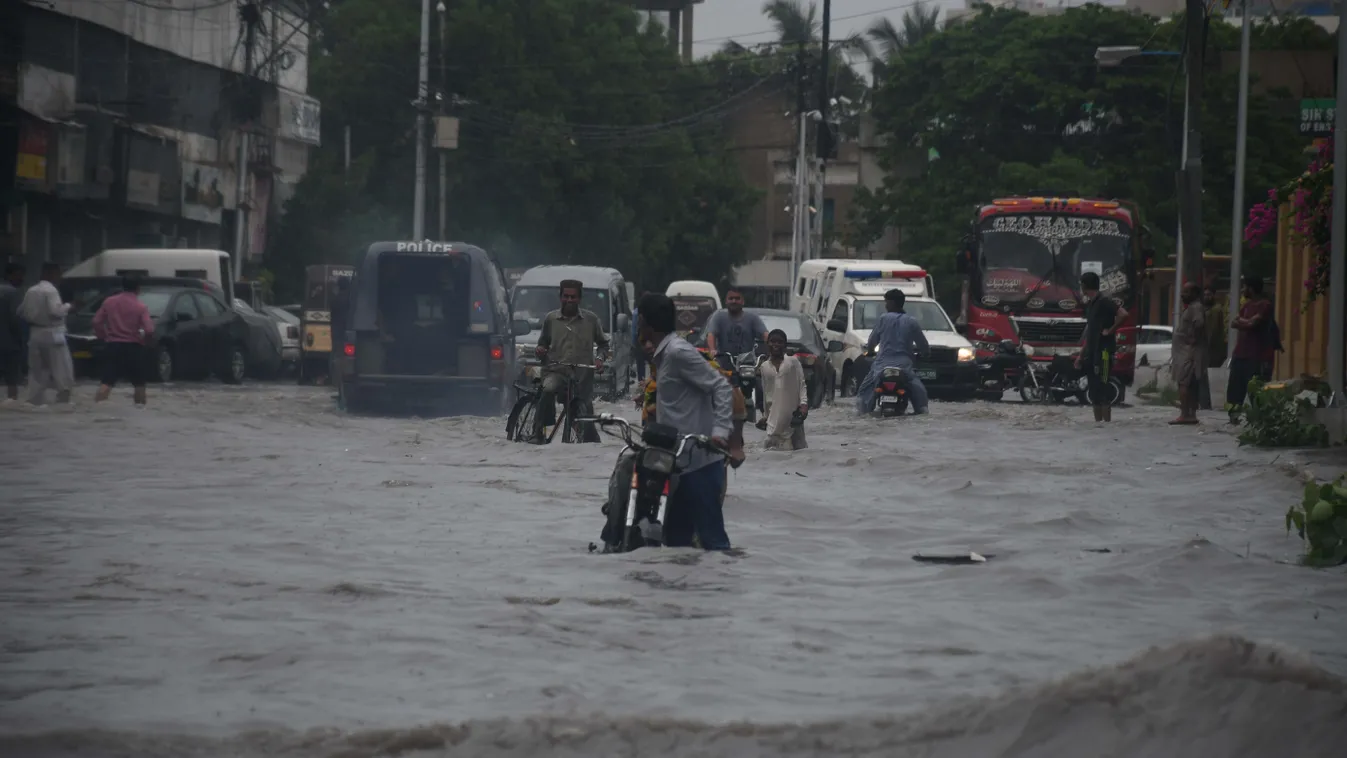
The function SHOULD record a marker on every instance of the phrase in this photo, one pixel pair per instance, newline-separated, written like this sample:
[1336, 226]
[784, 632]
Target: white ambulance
[845, 298]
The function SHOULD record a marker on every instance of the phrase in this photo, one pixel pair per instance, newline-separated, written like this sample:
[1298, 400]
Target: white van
[212, 265]
[848, 301]
[605, 292]
[695, 301]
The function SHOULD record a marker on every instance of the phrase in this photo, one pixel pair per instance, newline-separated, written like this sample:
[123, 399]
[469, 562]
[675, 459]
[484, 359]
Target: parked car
[1155, 345]
[264, 342]
[288, 325]
[195, 333]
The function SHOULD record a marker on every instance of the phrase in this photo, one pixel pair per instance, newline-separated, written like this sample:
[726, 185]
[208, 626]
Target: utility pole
[799, 229]
[422, 105]
[444, 158]
[1191, 175]
[1241, 141]
[1337, 276]
[250, 15]
[824, 140]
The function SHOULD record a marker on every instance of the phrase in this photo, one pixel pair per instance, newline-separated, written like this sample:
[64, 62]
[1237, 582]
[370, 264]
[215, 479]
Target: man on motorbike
[569, 335]
[693, 398]
[900, 340]
[732, 331]
[1103, 316]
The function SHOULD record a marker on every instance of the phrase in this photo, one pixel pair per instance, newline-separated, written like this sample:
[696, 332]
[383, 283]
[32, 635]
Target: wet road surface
[244, 558]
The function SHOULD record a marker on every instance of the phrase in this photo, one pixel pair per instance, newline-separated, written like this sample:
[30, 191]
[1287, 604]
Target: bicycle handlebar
[700, 440]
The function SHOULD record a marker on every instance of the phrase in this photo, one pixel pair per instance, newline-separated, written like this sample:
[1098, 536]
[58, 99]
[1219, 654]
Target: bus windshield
[1029, 257]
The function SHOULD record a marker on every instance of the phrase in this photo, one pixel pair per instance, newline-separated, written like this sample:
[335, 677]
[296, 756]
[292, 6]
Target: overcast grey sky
[742, 20]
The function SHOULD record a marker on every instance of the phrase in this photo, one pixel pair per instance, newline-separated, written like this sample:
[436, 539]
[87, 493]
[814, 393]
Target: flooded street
[240, 565]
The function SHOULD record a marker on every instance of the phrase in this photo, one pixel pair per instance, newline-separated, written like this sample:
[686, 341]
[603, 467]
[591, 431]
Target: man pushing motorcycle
[900, 340]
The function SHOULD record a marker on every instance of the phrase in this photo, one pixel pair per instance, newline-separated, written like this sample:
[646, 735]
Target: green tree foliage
[1004, 102]
[582, 139]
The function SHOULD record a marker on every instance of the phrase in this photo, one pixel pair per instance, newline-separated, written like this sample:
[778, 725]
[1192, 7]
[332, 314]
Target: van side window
[191, 273]
[840, 312]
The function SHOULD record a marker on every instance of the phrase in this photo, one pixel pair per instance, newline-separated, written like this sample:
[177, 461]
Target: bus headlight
[965, 354]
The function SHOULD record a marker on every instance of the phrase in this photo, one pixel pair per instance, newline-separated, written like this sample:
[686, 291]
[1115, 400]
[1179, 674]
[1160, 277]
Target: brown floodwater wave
[1218, 697]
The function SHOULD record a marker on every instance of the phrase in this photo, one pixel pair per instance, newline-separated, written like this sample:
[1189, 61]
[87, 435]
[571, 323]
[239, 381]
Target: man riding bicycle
[569, 335]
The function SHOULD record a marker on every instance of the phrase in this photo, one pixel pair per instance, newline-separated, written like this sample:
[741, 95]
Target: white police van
[845, 298]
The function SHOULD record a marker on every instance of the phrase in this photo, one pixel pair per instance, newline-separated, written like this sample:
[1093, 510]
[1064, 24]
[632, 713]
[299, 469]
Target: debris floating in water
[958, 558]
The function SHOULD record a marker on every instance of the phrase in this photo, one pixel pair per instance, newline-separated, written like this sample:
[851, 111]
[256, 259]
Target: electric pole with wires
[250, 15]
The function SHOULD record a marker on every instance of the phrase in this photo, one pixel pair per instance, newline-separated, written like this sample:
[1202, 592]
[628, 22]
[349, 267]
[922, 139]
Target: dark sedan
[195, 334]
[803, 341]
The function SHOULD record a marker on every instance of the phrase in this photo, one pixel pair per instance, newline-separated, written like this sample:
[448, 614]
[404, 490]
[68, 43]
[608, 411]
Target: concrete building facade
[125, 121]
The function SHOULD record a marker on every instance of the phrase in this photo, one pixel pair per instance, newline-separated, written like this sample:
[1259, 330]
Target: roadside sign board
[1316, 117]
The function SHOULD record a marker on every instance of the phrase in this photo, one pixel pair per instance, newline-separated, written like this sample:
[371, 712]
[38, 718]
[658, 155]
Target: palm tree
[918, 23]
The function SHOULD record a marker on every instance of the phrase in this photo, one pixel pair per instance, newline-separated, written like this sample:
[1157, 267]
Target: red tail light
[803, 355]
[497, 353]
[349, 350]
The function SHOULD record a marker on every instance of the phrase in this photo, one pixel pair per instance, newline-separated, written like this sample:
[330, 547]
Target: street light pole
[1241, 141]
[444, 158]
[422, 98]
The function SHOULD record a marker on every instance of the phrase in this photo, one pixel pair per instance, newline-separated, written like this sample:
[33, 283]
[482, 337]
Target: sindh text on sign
[1316, 117]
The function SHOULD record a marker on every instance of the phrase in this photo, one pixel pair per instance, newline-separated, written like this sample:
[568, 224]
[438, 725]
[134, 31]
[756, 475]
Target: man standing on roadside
[124, 325]
[49, 362]
[1189, 351]
[1103, 316]
[11, 331]
[732, 331]
[1255, 345]
[694, 398]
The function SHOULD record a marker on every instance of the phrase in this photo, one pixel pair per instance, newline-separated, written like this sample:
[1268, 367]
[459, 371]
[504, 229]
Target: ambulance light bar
[875, 274]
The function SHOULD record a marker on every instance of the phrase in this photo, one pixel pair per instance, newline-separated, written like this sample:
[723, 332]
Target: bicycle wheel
[519, 426]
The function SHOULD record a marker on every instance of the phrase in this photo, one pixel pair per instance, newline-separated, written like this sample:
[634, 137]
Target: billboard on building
[300, 117]
[202, 192]
[35, 138]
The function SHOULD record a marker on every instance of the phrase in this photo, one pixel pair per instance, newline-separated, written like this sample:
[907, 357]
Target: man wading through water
[49, 362]
[1102, 318]
[732, 331]
[569, 335]
[693, 398]
[124, 325]
[785, 396]
[11, 331]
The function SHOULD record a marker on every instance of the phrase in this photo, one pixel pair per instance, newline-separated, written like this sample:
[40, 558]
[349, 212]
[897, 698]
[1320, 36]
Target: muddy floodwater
[244, 571]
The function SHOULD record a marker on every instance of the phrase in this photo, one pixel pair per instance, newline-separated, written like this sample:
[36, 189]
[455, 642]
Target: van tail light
[496, 370]
[348, 350]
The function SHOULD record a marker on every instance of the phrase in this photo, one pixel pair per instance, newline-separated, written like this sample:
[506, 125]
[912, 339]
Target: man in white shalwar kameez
[785, 395]
[49, 362]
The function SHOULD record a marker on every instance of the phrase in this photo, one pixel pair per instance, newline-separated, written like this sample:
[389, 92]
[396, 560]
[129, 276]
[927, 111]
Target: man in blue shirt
[900, 340]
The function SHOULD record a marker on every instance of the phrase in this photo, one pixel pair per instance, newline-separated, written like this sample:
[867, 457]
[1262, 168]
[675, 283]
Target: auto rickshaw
[320, 291]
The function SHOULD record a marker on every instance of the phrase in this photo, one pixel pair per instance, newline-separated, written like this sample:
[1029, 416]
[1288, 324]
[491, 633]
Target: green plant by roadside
[1321, 521]
[1276, 417]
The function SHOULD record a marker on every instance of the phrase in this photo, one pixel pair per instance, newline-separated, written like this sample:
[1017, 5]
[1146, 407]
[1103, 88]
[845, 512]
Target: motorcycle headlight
[658, 461]
[1028, 350]
[965, 354]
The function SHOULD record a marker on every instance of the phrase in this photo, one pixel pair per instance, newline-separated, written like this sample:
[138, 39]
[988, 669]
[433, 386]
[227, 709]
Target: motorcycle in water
[745, 376]
[1005, 370]
[1059, 380]
[636, 504]
[891, 392]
